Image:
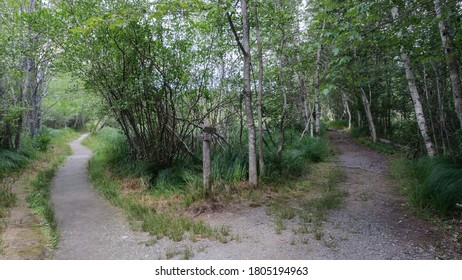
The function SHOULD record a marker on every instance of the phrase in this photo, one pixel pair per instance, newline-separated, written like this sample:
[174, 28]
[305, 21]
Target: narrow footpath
[89, 227]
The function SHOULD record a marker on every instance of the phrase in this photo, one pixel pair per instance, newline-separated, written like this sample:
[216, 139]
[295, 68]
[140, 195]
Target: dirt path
[372, 224]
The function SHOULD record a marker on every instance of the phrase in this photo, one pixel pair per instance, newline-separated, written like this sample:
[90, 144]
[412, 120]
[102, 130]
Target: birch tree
[451, 60]
[411, 80]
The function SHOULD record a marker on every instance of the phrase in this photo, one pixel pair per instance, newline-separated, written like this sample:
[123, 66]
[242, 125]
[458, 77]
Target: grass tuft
[431, 184]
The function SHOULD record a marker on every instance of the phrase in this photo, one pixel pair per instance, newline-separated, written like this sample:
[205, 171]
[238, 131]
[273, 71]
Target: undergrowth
[137, 204]
[154, 198]
[12, 160]
[7, 200]
[431, 184]
[338, 124]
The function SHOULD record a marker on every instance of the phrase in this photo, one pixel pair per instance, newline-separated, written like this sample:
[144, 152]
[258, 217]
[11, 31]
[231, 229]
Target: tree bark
[347, 108]
[370, 120]
[451, 60]
[244, 46]
[420, 116]
[261, 161]
[317, 108]
[317, 81]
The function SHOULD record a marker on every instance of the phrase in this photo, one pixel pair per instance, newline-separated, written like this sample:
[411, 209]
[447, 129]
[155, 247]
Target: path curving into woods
[375, 222]
[89, 227]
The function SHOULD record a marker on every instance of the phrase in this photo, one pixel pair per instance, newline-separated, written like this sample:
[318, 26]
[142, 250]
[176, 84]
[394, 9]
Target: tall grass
[433, 184]
[7, 200]
[229, 163]
[39, 200]
[11, 160]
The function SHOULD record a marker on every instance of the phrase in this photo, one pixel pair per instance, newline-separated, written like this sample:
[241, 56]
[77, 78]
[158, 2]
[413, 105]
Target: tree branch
[233, 28]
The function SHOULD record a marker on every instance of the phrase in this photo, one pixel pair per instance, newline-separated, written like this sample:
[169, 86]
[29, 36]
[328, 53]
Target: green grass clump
[433, 184]
[7, 200]
[39, 201]
[296, 157]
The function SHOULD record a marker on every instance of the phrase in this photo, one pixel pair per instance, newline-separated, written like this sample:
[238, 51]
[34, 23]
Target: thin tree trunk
[245, 48]
[370, 120]
[427, 98]
[306, 114]
[420, 116]
[451, 60]
[441, 117]
[284, 103]
[317, 108]
[347, 109]
[261, 162]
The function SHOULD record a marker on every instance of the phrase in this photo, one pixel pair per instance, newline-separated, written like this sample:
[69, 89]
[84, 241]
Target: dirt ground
[372, 223]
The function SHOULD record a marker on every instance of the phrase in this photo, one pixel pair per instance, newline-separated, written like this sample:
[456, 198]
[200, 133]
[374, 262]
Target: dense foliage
[157, 69]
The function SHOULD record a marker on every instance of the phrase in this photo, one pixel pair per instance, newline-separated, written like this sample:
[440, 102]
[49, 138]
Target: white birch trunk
[370, 120]
[451, 60]
[420, 116]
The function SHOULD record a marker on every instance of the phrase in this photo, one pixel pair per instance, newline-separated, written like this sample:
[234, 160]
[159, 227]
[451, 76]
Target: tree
[244, 47]
[420, 116]
[261, 162]
[451, 60]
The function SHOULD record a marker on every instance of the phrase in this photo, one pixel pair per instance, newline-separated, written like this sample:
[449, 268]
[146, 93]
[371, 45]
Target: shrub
[432, 183]
[42, 140]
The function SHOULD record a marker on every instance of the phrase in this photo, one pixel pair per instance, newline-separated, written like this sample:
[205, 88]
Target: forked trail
[371, 224]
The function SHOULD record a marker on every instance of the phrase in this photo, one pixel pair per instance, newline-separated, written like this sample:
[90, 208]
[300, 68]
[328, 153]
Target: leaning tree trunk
[451, 60]
[370, 120]
[420, 116]
[346, 108]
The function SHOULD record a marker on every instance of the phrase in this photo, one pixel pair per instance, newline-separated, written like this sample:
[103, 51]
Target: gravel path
[89, 227]
[372, 224]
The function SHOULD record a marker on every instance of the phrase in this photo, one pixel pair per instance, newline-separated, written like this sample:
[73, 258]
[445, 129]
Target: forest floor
[371, 223]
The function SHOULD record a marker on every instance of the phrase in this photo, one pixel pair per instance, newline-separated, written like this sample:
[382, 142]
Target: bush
[15, 159]
[358, 132]
[432, 183]
[42, 140]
